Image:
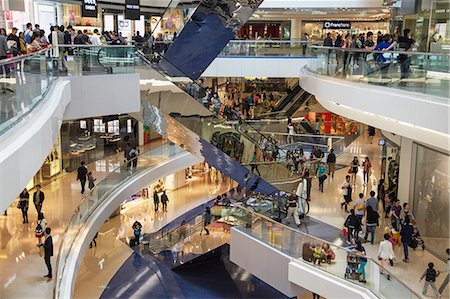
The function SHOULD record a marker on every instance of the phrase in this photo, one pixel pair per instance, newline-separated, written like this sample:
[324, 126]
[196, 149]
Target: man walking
[331, 161]
[82, 173]
[48, 251]
[156, 200]
[292, 210]
[38, 199]
[164, 201]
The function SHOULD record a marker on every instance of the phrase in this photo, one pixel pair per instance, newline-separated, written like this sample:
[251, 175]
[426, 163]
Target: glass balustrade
[282, 48]
[427, 73]
[300, 247]
[25, 80]
[119, 176]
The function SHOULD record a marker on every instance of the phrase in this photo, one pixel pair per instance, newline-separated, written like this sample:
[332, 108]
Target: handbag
[350, 170]
[18, 205]
[344, 232]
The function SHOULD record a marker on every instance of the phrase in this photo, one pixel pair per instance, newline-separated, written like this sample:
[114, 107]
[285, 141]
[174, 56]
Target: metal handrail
[270, 41]
[337, 246]
[24, 56]
[379, 51]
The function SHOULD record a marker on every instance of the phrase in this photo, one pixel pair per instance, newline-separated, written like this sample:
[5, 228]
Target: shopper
[430, 275]
[23, 204]
[372, 201]
[156, 200]
[366, 171]
[126, 155]
[95, 39]
[328, 42]
[406, 213]
[134, 153]
[164, 201]
[254, 163]
[291, 132]
[321, 176]
[385, 253]
[405, 43]
[361, 251]
[406, 234]
[371, 224]
[395, 214]
[94, 241]
[331, 162]
[82, 175]
[354, 169]
[360, 209]
[206, 220]
[137, 228]
[91, 180]
[382, 61]
[40, 227]
[352, 224]
[38, 199]
[28, 33]
[347, 193]
[48, 251]
[371, 133]
[292, 210]
[381, 196]
[182, 231]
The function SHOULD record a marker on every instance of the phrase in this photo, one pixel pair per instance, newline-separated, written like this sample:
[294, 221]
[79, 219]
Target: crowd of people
[353, 60]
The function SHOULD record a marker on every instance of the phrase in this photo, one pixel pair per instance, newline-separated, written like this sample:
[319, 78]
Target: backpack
[430, 275]
[132, 154]
[38, 231]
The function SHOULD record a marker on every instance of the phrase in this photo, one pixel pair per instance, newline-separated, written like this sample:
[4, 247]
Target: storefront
[430, 184]
[73, 16]
[95, 138]
[266, 30]
[318, 30]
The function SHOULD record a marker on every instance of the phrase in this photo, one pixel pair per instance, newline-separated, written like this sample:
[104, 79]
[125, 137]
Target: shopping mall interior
[224, 149]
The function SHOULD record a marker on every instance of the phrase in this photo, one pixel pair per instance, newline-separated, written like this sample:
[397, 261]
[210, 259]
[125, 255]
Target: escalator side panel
[285, 101]
[210, 28]
[298, 103]
[179, 134]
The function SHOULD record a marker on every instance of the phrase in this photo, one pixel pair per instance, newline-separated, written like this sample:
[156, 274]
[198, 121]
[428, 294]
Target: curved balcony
[406, 93]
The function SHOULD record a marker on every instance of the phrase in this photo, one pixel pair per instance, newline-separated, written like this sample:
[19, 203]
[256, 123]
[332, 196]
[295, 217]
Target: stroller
[352, 267]
[417, 239]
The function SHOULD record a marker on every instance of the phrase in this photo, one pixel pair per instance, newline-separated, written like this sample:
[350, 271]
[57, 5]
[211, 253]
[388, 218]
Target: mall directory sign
[89, 8]
[132, 10]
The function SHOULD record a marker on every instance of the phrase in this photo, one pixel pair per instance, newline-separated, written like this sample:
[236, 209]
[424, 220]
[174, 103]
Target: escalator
[298, 100]
[306, 126]
[182, 114]
[209, 28]
[283, 102]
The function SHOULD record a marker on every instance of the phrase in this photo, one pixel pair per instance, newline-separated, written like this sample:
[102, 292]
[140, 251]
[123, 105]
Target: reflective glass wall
[431, 197]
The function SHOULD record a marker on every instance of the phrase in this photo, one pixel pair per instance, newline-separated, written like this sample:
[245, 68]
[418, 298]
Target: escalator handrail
[142, 56]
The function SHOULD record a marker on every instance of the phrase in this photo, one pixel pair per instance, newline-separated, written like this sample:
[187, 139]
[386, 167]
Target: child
[430, 278]
[91, 180]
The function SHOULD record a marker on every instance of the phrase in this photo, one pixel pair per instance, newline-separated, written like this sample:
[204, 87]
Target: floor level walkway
[22, 269]
[326, 207]
[102, 262]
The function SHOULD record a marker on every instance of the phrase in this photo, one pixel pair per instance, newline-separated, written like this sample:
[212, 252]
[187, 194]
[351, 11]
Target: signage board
[337, 25]
[89, 8]
[132, 10]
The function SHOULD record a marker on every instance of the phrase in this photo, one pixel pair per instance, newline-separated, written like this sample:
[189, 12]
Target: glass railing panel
[339, 261]
[99, 194]
[421, 72]
[294, 48]
[211, 121]
[24, 82]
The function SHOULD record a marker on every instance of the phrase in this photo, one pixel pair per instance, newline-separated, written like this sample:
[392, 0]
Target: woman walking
[354, 169]
[366, 170]
[24, 199]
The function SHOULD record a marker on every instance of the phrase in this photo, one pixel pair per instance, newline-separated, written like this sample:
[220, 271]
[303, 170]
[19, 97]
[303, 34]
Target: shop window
[129, 126]
[113, 127]
[99, 126]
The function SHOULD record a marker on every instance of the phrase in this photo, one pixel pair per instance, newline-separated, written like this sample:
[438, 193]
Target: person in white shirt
[385, 252]
[291, 132]
[95, 39]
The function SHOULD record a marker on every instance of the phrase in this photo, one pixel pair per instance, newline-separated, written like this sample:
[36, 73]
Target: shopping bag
[344, 232]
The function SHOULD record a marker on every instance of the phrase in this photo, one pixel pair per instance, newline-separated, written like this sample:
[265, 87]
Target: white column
[141, 133]
[405, 171]
[294, 29]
